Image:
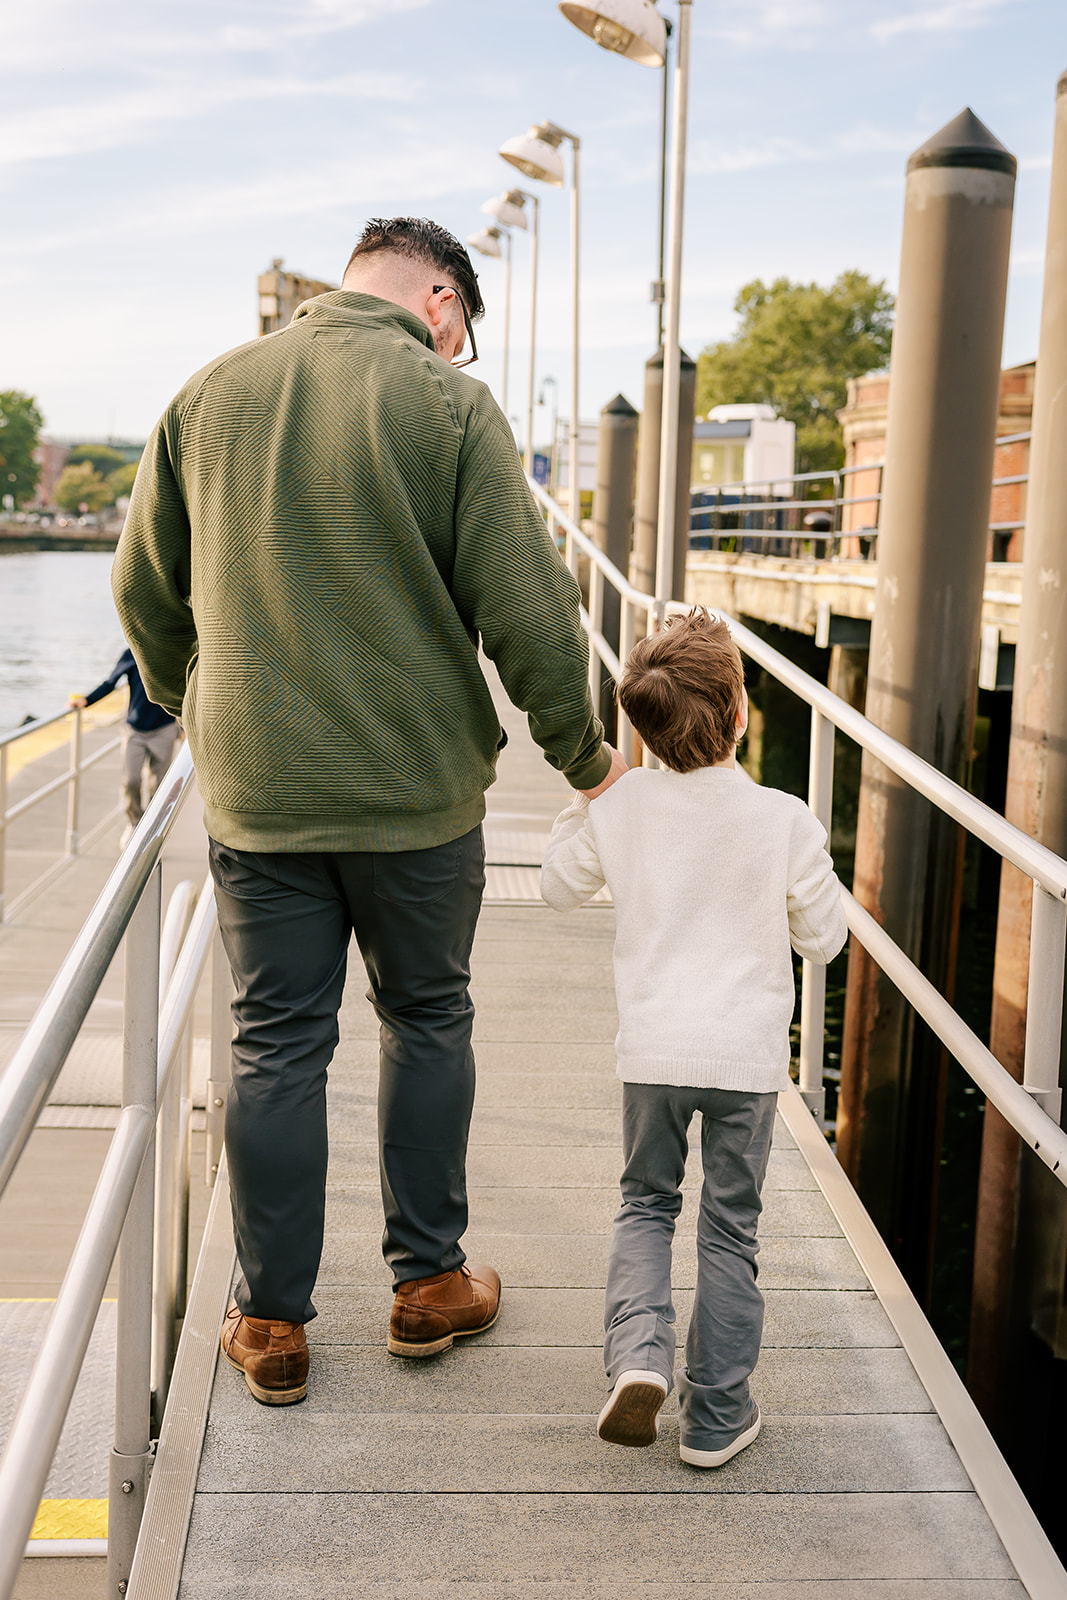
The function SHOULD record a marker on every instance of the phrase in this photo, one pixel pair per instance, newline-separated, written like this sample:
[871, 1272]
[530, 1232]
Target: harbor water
[59, 634]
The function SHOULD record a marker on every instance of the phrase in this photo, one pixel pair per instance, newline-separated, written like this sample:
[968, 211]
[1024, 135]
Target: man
[149, 740]
[325, 524]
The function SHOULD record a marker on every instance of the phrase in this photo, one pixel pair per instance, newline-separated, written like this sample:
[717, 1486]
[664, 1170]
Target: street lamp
[618, 25]
[487, 241]
[632, 28]
[508, 209]
[536, 154]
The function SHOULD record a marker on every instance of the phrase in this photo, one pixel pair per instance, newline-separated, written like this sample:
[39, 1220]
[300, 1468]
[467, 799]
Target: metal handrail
[835, 504]
[70, 780]
[1032, 1108]
[156, 1044]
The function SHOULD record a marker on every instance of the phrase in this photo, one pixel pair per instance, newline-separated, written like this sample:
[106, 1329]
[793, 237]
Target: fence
[1032, 1107]
[751, 517]
[138, 1197]
[70, 780]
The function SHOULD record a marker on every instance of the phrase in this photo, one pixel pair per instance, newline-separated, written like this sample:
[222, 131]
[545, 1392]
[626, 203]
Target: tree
[81, 485]
[20, 427]
[796, 347]
[121, 480]
[99, 456]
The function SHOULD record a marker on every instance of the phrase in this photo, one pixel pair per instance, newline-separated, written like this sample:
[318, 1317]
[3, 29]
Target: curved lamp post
[487, 241]
[536, 155]
[627, 27]
[508, 209]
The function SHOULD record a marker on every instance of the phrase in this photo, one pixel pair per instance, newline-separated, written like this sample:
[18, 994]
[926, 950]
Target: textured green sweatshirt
[325, 525]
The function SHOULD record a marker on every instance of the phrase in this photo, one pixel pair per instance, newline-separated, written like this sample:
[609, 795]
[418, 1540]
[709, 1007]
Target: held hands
[615, 772]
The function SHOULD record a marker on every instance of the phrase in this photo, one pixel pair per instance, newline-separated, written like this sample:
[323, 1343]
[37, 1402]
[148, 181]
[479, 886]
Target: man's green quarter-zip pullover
[325, 525]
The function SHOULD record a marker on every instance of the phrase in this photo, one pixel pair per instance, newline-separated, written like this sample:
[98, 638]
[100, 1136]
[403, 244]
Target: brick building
[52, 456]
[863, 419]
[280, 293]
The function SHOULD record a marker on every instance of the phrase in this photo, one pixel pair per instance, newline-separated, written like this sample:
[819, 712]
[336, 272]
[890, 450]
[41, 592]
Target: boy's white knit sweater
[713, 878]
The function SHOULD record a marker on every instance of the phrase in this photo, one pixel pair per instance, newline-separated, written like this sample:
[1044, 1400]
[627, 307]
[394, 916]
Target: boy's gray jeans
[286, 922]
[727, 1321]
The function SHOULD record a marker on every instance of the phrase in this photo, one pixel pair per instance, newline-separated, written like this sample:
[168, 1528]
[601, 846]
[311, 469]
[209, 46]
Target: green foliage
[20, 426]
[99, 456]
[121, 480]
[81, 485]
[796, 347]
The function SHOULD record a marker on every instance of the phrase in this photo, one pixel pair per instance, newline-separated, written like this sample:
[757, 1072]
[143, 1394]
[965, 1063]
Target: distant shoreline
[19, 541]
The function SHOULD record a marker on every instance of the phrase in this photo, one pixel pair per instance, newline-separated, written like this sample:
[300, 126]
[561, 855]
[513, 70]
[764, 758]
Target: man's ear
[437, 307]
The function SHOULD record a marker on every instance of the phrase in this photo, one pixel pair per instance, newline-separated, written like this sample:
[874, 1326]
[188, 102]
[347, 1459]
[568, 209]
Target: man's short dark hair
[419, 239]
[682, 690]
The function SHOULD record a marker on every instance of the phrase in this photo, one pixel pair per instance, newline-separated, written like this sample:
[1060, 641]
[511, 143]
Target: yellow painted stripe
[45, 740]
[70, 1519]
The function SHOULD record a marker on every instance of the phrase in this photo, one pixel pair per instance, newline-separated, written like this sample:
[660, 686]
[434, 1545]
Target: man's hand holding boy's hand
[615, 772]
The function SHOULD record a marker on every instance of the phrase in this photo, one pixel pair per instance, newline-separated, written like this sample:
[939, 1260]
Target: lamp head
[507, 209]
[536, 153]
[487, 241]
[632, 28]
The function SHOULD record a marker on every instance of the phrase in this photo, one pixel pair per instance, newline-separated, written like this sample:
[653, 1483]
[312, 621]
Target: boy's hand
[615, 772]
[77, 702]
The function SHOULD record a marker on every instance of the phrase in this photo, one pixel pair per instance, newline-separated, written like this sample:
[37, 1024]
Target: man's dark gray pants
[286, 923]
[727, 1322]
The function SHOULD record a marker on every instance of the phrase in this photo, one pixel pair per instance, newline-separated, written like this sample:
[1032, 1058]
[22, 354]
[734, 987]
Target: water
[59, 633]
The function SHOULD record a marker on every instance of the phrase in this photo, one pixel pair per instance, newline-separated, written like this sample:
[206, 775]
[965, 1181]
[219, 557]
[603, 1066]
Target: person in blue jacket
[151, 735]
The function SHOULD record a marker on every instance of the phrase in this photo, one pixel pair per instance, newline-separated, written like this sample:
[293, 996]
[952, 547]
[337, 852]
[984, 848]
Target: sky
[154, 159]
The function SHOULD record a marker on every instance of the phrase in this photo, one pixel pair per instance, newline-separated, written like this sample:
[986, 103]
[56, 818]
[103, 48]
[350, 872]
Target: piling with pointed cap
[646, 512]
[922, 682]
[1018, 1319]
[613, 511]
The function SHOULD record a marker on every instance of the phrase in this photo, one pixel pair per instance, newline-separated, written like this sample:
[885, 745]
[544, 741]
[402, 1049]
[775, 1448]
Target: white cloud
[115, 120]
[763, 24]
[951, 17]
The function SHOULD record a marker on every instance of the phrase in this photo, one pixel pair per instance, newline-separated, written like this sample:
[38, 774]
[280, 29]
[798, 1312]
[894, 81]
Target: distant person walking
[326, 525]
[713, 878]
[149, 741]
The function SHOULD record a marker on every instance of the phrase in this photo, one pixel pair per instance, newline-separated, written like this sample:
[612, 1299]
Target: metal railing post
[1044, 1000]
[169, 1248]
[75, 790]
[3, 828]
[596, 625]
[131, 1456]
[221, 1071]
[813, 973]
[623, 731]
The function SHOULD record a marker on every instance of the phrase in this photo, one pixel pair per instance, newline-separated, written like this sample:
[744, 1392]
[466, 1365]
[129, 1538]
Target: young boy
[713, 877]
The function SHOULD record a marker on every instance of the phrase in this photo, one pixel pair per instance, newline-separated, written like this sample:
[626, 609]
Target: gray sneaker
[631, 1416]
[718, 1458]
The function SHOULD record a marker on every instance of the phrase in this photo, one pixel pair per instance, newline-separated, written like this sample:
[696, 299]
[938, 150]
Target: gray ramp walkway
[479, 1472]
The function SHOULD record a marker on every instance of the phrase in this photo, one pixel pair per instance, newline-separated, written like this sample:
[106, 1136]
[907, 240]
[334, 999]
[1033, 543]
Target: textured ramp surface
[80, 1469]
[479, 1474]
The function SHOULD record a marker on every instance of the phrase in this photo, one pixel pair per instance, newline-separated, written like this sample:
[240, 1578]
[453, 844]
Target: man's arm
[513, 588]
[151, 578]
[110, 683]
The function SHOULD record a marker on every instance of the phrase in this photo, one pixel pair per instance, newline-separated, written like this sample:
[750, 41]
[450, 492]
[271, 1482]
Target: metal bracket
[1050, 1101]
[127, 1488]
[215, 1123]
[815, 1100]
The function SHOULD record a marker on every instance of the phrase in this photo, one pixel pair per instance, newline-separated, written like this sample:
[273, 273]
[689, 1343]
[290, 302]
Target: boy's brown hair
[682, 689]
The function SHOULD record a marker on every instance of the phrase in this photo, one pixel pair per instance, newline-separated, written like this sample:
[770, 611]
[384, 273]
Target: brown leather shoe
[428, 1313]
[272, 1355]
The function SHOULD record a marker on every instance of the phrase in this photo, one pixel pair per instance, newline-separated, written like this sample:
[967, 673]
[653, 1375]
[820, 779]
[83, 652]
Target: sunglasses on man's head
[468, 360]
